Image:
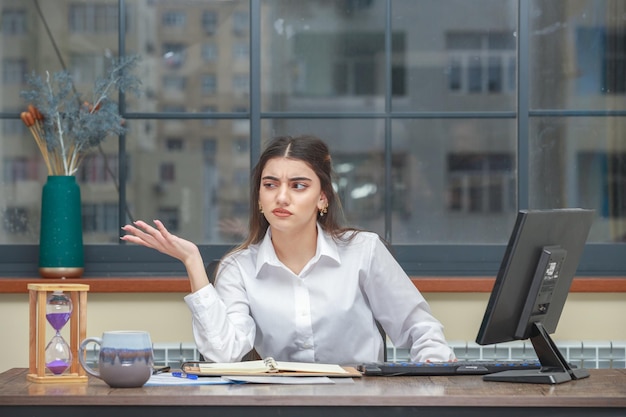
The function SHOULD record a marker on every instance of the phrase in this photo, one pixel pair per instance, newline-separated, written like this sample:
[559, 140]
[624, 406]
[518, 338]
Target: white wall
[590, 316]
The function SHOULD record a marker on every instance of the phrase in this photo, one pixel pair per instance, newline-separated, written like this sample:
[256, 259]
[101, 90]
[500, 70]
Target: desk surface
[603, 393]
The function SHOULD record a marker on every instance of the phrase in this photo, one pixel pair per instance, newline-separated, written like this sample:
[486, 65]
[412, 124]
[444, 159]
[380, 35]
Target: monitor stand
[554, 367]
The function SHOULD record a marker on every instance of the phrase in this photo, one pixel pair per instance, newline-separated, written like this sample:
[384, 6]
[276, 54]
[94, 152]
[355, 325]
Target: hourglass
[56, 305]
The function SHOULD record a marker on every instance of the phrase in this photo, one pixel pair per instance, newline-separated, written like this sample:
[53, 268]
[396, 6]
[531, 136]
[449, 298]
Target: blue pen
[184, 375]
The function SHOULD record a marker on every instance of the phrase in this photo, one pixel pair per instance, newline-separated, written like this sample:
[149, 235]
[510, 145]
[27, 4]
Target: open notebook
[268, 367]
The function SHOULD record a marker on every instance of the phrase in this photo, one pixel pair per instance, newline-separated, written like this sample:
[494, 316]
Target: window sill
[179, 284]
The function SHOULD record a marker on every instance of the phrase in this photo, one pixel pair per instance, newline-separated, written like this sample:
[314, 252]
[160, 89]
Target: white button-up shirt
[324, 314]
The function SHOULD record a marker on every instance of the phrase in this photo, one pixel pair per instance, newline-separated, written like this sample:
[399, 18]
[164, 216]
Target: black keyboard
[476, 367]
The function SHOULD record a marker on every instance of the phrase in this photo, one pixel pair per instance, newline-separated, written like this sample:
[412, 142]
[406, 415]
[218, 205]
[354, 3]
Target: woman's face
[290, 195]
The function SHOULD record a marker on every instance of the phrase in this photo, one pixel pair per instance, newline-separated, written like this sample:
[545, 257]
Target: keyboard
[475, 367]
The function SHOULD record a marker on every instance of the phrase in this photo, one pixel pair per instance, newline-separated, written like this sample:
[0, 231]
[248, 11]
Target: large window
[444, 118]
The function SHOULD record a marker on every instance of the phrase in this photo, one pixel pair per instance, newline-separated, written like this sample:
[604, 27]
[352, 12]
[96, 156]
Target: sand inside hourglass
[58, 312]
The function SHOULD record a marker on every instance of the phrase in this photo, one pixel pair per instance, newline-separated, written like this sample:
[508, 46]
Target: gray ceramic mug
[125, 359]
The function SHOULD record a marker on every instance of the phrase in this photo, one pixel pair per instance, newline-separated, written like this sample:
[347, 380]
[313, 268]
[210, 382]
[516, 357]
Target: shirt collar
[326, 247]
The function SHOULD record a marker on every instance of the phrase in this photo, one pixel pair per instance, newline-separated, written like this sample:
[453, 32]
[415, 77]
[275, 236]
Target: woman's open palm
[159, 238]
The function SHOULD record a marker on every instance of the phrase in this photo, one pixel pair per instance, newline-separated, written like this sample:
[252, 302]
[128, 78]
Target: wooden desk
[603, 394]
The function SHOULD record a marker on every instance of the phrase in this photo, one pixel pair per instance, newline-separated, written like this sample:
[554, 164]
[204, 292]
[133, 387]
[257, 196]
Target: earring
[260, 208]
[324, 210]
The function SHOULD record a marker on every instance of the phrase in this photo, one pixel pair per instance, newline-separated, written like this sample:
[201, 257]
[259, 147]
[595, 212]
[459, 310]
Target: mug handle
[81, 355]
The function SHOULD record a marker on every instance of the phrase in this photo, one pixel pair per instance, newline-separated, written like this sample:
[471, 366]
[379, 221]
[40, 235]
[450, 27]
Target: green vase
[61, 233]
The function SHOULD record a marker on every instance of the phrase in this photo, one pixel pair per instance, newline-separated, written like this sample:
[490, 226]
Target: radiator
[584, 354]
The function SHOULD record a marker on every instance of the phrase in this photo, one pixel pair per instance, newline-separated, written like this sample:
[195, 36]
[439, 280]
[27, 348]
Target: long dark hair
[314, 152]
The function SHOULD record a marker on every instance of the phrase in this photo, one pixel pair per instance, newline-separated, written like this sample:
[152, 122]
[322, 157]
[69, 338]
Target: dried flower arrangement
[65, 126]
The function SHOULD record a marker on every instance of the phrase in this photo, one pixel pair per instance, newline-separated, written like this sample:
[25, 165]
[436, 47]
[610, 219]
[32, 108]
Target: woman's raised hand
[159, 238]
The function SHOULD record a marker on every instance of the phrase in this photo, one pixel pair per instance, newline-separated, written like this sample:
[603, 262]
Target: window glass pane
[203, 43]
[578, 54]
[200, 185]
[83, 38]
[199, 64]
[357, 151]
[454, 182]
[581, 162]
[323, 56]
[456, 54]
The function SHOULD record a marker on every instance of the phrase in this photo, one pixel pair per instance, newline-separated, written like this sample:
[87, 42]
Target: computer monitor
[531, 287]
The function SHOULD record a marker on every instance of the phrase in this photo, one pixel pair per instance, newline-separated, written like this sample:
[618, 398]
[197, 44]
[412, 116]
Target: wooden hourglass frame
[37, 298]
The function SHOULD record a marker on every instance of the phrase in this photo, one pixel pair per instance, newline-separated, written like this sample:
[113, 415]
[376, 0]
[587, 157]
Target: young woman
[301, 287]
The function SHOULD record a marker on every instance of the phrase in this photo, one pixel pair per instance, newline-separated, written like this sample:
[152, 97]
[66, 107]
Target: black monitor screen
[531, 287]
